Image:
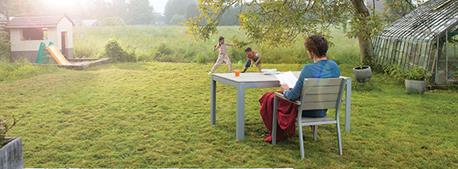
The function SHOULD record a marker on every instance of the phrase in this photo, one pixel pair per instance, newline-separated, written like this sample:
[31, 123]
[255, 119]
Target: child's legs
[228, 62]
[247, 65]
[219, 61]
[259, 65]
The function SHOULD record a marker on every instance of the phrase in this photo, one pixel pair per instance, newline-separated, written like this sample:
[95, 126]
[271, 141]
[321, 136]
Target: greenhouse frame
[426, 37]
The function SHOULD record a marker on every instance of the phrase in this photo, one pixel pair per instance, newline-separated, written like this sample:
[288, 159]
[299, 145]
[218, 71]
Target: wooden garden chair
[316, 94]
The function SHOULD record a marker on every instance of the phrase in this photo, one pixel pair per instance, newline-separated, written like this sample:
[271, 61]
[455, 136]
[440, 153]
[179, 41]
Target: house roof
[426, 22]
[36, 21]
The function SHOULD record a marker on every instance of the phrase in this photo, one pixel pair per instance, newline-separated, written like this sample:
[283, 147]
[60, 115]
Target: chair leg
[301, 141]
[274, 122]
[339, 139]
[315, 132]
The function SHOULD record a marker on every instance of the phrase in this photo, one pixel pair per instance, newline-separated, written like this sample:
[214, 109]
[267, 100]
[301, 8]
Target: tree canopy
[139, 12]
[275, 22]
[272, 21]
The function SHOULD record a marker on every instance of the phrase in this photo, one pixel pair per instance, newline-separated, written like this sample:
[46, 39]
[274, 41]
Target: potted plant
[362, 73]
[11, 148]
[415, 80]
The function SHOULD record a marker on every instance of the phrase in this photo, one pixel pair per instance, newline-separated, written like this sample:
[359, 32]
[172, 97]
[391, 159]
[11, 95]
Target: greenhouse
[426, 37]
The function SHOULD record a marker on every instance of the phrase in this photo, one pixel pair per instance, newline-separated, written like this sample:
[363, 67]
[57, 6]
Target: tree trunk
[365, 42]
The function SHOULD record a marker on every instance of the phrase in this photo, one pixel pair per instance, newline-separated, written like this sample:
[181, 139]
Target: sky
[159, 5]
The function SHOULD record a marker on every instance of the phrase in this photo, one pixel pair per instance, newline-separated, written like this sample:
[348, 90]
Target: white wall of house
[54, 35]
[65, 26]
[19, 44]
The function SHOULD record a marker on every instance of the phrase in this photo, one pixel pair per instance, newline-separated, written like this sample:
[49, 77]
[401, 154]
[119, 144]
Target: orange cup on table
[237, 73]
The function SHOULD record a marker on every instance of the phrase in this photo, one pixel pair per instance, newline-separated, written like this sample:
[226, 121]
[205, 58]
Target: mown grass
[157, 115]
[10, 71]
[174, 44]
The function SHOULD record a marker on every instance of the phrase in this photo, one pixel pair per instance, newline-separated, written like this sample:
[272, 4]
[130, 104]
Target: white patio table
[258, 80]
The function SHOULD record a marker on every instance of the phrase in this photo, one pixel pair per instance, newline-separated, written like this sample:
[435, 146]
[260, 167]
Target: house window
[32, 34]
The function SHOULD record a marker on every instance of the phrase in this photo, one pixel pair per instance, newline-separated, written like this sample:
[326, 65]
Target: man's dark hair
[248, 50]
[221, 38]
[317, 45]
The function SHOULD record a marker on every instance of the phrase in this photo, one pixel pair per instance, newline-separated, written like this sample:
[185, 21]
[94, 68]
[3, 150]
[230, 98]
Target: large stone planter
[415, 86]
[11, 155]
[362, 74]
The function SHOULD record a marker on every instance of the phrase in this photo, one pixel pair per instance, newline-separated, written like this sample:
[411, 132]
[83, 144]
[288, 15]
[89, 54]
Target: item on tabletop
[237, 73]
[269, 71]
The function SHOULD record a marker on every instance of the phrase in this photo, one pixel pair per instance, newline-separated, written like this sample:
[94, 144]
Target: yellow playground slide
[57, 55]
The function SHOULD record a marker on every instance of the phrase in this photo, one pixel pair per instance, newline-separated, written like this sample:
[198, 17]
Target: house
[426, 37]
[26, 34]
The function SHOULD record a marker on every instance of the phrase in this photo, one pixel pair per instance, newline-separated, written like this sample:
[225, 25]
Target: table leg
[348, 106]
[240, 131]
[213, 102]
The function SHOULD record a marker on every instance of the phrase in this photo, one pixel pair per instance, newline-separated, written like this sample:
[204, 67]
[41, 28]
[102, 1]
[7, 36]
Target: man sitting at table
[317, 48]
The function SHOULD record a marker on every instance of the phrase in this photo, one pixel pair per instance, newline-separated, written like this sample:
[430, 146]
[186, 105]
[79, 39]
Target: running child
[223, 57]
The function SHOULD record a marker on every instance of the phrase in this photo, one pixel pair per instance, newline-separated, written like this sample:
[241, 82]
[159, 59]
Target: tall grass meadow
[174, 44]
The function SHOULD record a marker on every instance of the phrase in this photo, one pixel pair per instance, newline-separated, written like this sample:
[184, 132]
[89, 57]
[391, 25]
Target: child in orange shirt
[253, 58]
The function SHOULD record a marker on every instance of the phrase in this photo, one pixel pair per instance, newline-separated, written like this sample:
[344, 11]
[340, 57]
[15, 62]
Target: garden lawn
[157, 115]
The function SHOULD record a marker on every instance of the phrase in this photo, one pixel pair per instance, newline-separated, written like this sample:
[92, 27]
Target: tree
[231, 16]
[140, 12]
[192, 10]
[275, 22]
[119, 8]
[179, 8]
[396, 9]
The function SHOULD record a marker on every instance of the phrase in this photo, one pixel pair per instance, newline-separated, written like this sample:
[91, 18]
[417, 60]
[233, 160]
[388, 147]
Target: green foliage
[395, 9]
[177, 11]
[112, 21]
[370, 26]
[399, 74]
[417, 73]
[140, 12]
[146, 40]
[272, 22]
[5, 54]
[6, 124]
[177, 20]
[231, 16]
[114, 51]
[164, 53]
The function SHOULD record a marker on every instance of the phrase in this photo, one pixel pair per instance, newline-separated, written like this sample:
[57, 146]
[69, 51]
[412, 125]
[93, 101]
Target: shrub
[416, 73]
[4, 47]
[201, 58]
[85, 52]
[114, 51]
[163, 53]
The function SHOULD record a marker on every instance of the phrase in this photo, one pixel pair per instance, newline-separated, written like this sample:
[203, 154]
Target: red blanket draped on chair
[287, 113]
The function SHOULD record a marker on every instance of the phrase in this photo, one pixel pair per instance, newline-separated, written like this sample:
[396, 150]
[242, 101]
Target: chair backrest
[322, 93]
